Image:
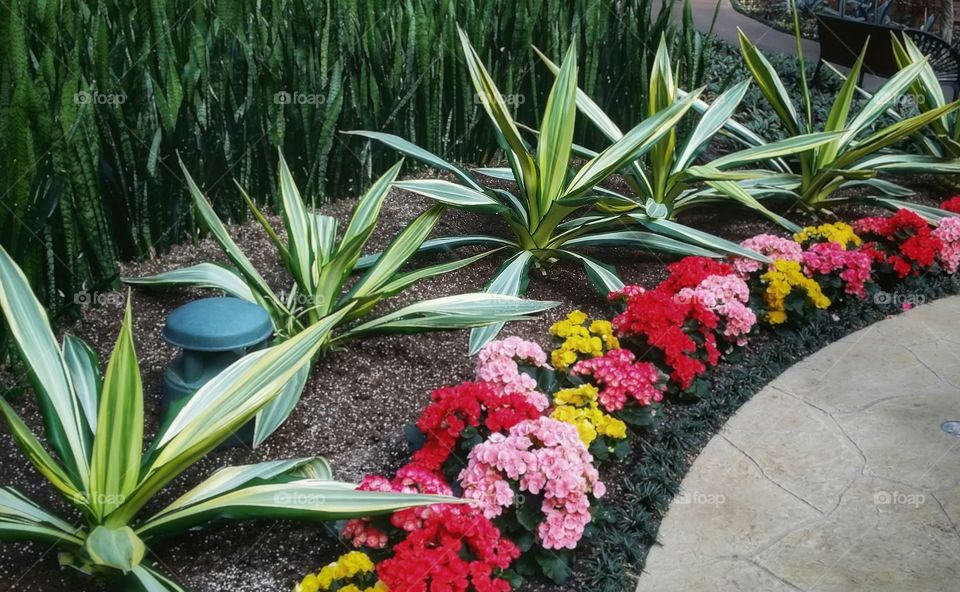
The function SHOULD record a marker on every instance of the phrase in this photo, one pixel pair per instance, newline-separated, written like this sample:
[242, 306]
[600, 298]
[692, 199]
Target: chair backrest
[842, 40]
[944, 59]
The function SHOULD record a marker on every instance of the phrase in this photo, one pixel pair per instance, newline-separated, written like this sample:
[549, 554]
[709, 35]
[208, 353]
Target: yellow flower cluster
[347, 566]
[580, 408]
[579, 339]
[781, 279]
[839, 233]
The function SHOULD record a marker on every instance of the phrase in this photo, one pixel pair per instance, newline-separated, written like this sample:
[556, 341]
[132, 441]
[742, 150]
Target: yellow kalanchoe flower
[579, 407]
[781, 279]
[838, 232]
[580, 340]
[349, 565]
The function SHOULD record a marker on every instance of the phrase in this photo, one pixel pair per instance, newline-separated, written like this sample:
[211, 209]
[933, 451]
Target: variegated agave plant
[859, 154]
[320, 267]
[94, 428]
[544, 216]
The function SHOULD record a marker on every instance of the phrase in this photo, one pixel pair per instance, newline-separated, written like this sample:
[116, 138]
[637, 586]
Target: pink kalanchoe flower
[727, 296]
[498, 367]
[620, 376]
[542, 456]
[774, 247]
[853, 265]
[409, 479]
[626, 293]
[949, 234]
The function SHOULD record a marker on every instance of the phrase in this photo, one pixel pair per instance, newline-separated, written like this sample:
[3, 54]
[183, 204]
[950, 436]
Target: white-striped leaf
[202, 275]
[63, 415]
[453, 194]
[412, 150]
[510, 281]
[115, 465]
[84, 368]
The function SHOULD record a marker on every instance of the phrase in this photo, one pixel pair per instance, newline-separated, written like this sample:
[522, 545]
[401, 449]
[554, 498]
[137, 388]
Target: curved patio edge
[835, 477]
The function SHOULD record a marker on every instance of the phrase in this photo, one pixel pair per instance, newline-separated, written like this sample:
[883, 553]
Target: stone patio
[836, 477]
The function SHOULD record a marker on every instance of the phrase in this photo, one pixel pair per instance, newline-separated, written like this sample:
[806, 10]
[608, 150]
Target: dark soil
[353, 409]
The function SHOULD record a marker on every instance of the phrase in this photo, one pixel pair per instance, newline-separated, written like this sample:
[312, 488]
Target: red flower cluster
[904, 241]
[670, 325]
[952, 204]
[471, 404]
[690, 271]
[409, 479]
[454, 550]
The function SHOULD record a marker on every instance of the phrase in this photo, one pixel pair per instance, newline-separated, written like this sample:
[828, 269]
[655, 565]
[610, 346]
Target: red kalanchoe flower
[689, 272]
[470, 404]
[455, 549]
[666, 323]
[952, 204]
[410, 479]
[905, 240]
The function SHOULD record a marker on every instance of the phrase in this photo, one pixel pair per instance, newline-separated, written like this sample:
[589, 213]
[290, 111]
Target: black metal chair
[841, 41]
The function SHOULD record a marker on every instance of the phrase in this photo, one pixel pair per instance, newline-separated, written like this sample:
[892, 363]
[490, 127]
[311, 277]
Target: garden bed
[357, 402]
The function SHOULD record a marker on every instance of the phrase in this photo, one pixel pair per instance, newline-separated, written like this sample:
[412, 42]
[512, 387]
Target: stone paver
[836, 477]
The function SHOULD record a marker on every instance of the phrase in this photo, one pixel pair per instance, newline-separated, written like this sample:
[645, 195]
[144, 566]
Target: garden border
[625, 530]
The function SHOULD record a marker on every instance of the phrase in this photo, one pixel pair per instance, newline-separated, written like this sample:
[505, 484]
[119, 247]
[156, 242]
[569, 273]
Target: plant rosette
[538, 482]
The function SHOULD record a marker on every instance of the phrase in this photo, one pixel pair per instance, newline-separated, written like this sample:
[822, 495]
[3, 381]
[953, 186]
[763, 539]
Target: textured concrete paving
[836, 477]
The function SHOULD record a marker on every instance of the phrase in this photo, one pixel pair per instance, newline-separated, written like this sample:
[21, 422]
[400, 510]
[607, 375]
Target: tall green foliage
[98, 98]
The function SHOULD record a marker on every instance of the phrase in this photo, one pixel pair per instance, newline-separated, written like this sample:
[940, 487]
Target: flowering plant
[351, 572]
[774, 247]
[728, 297]
[952, 204]
[902, 244]
[545, 461]
[681, 331]
[454, 549]
[580, 340]
[787, 288]
[839, 271]
[838, 233]
[603, 434]
[621, 379]
[372, 532]
[459, 417]
[499, 366]
[948, 233]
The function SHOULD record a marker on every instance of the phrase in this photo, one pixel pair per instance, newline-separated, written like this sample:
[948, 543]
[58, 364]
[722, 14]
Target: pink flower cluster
[949, 234]
[497, 366]
[774, 247]
[409, 479]
[727, 296]
[620, 376]
[853, 265]
[542, 456]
